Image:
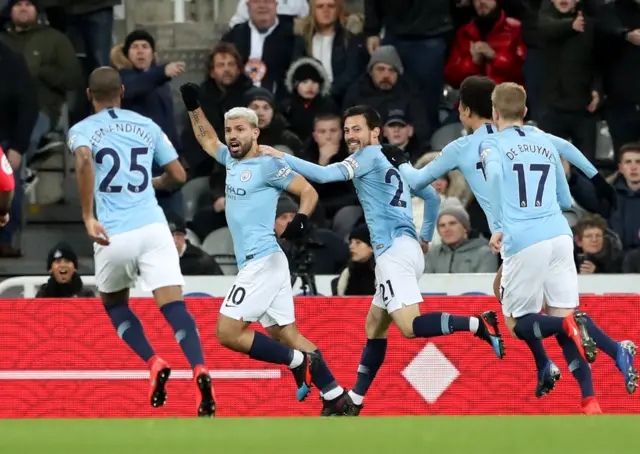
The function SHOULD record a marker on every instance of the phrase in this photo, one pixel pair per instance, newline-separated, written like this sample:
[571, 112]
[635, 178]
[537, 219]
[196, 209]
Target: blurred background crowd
[298, 64]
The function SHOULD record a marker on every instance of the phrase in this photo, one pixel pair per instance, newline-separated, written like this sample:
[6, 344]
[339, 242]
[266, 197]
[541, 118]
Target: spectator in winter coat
[385, 88]
[459, 252]
[193, 260]
[596, 251]
[309, 88]
[147, 92]
[358, 278]
[398, 130]
[64, 280]
[490, 45]
[625, 219]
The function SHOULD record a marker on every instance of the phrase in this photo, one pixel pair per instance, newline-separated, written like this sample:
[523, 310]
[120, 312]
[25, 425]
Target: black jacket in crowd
[278, 52]
[195, 262]
[569, 68]
[407, 19]
[72, 289]
[18, 101]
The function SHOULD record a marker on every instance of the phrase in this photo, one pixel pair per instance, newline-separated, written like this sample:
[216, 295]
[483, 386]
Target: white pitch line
[228, 374]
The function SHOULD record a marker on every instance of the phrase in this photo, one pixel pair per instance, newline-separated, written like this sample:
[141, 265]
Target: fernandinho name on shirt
[141, 131]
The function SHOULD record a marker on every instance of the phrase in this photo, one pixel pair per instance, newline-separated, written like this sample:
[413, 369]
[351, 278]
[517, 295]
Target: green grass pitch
[363, 435]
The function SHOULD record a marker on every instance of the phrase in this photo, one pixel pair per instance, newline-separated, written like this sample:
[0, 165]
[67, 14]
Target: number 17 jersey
[124, 145]
[384, 196]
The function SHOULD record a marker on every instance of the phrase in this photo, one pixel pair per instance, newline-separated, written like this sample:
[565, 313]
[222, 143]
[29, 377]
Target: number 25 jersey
[124, 145]
[384, 196]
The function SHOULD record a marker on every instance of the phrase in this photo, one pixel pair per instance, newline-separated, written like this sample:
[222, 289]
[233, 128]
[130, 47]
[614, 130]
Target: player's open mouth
[353, 143]
[234, 146]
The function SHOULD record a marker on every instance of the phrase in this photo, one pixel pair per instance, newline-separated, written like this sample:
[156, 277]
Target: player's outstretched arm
[444, 163]
[562, 186]
[85, 173]
[308, 201]
[431, 210]
[339, 171]
[203, 130]
[492, 162]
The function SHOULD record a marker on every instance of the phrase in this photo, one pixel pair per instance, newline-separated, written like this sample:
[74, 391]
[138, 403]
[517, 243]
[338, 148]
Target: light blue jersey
[252, 189]
[463, 154]
[124, 145]
[384, 195]
[527, 187]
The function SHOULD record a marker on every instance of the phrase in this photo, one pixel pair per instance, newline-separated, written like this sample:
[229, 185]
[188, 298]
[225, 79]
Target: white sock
[474, 324]
[356, 398]
[333, 394]
[298, 357]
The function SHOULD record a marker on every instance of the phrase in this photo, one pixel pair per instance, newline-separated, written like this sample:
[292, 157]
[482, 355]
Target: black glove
[190, 93]
[605, 192]
[296, 228]
[394, 155]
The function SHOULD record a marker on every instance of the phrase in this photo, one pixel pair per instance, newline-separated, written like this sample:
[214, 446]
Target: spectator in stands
[326, 38]
[266, 45]
[571, 83]
[18, 115]
[621, 19]
[52, 63]
[327, 147]
[419, 30]
[286, 10]
[489, 45]
[329, 254]
[193, 260]
[92, 21]
[631, 264]
[224, 87]
[625, 219]
[64, 280]
[358, 278]
[459, 252]
[399, 131]
[147, 92]
[385, 88]
[308, 86]
[273, 126]
[596, 251]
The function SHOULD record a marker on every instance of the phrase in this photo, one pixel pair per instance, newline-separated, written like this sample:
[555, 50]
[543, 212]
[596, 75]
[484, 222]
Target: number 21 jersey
[384, 196]
[124, 145]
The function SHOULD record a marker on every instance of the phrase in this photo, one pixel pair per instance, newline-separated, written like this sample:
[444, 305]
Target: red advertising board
[62, 358]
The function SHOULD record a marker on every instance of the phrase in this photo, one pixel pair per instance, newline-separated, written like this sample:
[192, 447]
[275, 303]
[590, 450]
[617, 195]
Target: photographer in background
[597, 251]
[65, 282]
[322, 252]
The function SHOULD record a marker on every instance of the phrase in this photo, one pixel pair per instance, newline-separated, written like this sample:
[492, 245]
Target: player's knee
[496, 285]
[227, 335]
[511, 326]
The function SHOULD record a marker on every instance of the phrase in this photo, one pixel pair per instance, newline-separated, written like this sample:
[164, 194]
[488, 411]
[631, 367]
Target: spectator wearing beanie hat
[309, 89]
[273, 126]
[64, 281]
[385, 88]
[147, 92]
[358, 278]
[459, 251]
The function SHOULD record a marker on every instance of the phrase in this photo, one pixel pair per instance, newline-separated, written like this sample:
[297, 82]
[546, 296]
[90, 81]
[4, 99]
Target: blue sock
[538, 326]
[184, 327]
[579, 368]
[268, 350]
[130, 330]
[439, 323]
[370, 362]
[539, 353]
[322, 378]
[602, 340]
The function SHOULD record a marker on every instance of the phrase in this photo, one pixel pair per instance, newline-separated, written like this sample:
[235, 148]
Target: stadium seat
[219, 244]
[445, 135]
[192, 191]
[193, 238]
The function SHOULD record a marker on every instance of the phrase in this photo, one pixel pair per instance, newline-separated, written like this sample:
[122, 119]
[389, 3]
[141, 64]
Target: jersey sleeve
[431, 210]
[7, 181]
[78, 138]
[223, 155]
[562, 186]
[491, 159]
[165, 152]
[569, 152]
[362, 162]
[280, 174]
[446, 161]
[319, 174]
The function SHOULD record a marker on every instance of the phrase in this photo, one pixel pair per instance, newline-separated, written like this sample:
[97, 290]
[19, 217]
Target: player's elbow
[177, 173]
[309, 195]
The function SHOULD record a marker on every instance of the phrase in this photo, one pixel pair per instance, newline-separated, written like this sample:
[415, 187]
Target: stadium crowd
[299, 64]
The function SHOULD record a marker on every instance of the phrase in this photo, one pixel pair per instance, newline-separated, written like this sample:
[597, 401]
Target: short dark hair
[105, 84]
[633, 147]
[371, 116]
[326, 116]
[590, 221]
[224, 48]
[475, 93]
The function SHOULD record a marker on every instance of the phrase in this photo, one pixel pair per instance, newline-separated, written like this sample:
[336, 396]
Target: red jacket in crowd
[505, 39]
